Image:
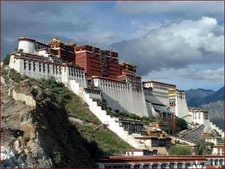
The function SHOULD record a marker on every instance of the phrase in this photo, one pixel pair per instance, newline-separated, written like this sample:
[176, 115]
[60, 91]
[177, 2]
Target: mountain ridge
[195, 96]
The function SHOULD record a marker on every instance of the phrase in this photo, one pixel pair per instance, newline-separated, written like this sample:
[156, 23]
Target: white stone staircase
[213, 126]
[111, 122]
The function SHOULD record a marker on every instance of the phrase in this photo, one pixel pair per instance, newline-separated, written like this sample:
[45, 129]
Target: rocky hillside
[45, 125]
[216, 112]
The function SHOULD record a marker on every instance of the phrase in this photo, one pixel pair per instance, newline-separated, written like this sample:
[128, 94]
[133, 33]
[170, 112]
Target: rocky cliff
[38, 135]
[40, 129]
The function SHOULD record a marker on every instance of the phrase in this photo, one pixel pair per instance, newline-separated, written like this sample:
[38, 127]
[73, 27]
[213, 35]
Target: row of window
[160, 87]
[41, 67]
[196, 115]
[75, 72]
[46, 68]
[114, 84]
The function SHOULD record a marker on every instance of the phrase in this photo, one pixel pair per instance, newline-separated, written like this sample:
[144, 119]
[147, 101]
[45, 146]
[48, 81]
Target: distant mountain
[218, 95]
[195, 96]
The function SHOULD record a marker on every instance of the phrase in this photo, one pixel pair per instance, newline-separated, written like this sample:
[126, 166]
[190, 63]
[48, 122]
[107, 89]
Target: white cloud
[188, 77]
[216, 75]
[142, 28]
[176, 45]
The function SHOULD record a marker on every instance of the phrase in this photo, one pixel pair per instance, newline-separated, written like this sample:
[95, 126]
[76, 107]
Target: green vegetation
[203, 147]
[73, 104]
[6, 60]
[181, 124]
[8, 73]
[179, 150]
[106, 140]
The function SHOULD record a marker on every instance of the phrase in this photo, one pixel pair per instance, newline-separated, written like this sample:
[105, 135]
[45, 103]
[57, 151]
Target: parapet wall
[28, 100]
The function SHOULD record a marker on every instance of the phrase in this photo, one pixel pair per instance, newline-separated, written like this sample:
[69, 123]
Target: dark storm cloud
[15, 27]
[31, 10]
[38, 20]
[7, 47]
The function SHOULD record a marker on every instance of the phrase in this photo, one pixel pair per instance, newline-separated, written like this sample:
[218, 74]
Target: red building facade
[65, 51]
[89, 58]
[96, 62]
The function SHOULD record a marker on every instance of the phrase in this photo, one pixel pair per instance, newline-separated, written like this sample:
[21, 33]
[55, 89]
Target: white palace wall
[120, 96]
[45, 69]
[181, 109]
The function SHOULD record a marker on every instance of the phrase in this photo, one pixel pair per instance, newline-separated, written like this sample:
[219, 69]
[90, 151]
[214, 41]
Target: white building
[218, 149]
[165, 98]
[180, 108]
[218, 145]
[35, 60]
[140, 152]
[198, 116]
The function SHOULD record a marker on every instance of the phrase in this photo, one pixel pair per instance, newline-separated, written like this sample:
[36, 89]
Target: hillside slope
[57, 132]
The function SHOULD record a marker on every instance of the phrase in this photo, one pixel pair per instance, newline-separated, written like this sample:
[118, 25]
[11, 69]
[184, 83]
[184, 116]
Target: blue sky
[174, 42]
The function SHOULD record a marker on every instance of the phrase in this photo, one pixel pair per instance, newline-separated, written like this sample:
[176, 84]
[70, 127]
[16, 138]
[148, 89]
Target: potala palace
[96, 74]
[99, 73]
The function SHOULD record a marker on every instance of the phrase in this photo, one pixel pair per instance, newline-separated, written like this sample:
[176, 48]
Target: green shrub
[203, 148]
[178, 150]
[181, 124]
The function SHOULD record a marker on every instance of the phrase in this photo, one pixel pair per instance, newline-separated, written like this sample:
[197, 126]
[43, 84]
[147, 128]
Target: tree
[178, 150]
[203, 147]
[6, 60]
[181, 124]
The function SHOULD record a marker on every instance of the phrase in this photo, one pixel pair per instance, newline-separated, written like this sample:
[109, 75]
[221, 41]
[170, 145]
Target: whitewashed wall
[197, 117]
[120, 96]
[78, 74]
[181, 109]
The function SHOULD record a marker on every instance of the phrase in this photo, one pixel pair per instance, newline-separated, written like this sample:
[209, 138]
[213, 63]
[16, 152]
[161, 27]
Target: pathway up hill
[45, 125]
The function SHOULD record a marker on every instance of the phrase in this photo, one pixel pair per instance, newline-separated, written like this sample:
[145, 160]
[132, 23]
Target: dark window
[24, 65]
[34, 66]
[29, 65]
[39, 66]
